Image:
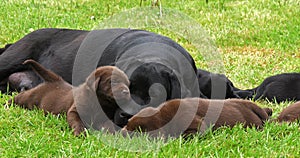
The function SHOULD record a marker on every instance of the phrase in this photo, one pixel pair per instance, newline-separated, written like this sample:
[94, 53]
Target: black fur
[279, 88]
[216, 86]
[282, 87]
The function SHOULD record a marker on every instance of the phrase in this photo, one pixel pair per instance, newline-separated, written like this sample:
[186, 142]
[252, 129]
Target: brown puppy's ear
[92, 81]
[44, 73]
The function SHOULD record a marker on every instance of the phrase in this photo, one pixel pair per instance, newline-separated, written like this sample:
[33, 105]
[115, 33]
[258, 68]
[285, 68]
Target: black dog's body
[56, 49]
[53, 48]
[279, 88]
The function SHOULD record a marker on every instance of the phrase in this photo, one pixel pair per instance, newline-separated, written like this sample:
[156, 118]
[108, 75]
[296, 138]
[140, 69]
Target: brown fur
[290, 113]
[233, 112]
[105, 85]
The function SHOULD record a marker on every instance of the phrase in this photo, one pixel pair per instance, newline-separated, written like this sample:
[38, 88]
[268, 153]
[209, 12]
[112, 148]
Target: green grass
[256, 39]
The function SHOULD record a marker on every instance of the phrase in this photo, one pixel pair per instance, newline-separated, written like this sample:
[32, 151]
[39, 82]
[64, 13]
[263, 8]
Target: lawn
[248, 41]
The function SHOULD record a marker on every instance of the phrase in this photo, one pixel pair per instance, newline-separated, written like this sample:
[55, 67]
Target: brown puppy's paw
[79, 130]
[269, 111]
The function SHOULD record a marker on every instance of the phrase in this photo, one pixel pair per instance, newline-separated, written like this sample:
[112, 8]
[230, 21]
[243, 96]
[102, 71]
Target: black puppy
[216, 86]
[158, 68]
[279, 88]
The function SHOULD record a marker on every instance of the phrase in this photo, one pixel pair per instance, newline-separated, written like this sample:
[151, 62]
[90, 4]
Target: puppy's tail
[44, 73]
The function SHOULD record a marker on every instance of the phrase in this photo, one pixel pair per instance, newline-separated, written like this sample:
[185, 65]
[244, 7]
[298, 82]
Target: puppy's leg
[74, 120]
[24, 100]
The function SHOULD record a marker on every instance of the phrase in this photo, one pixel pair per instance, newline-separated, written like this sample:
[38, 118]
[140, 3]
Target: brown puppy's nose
[126, 133]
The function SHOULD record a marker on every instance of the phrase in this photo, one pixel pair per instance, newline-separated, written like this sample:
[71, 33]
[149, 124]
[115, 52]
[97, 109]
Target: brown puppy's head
[170, 119]
[110, 83]
[97, 99]
[148, 119]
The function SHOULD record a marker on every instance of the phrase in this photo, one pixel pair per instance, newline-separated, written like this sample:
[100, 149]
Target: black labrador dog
[279, 88]
[158, 68]
[218, 86]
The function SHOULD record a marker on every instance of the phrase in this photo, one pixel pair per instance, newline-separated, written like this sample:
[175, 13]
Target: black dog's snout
[121, 118]
[125, 115]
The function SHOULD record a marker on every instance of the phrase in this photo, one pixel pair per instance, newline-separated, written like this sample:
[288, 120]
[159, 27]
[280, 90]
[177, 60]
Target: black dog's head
[215, 86]
[150, 85]
[153, 83]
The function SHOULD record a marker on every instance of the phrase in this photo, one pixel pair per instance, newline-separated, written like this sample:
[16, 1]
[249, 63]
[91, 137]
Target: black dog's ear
[175, 86]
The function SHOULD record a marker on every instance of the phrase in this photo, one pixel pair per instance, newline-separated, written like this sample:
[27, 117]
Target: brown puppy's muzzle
[121, 93]
[124, 131]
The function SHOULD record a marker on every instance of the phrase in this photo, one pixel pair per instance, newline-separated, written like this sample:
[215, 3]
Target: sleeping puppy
[290, 113]
[216, 86]
[279, 88]
[196, 115]
[106, 86]
[53, 95]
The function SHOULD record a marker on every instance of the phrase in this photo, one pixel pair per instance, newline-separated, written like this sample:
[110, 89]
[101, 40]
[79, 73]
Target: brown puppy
[107, 85]
[53, 95]
[196, 115]
[290, 113]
